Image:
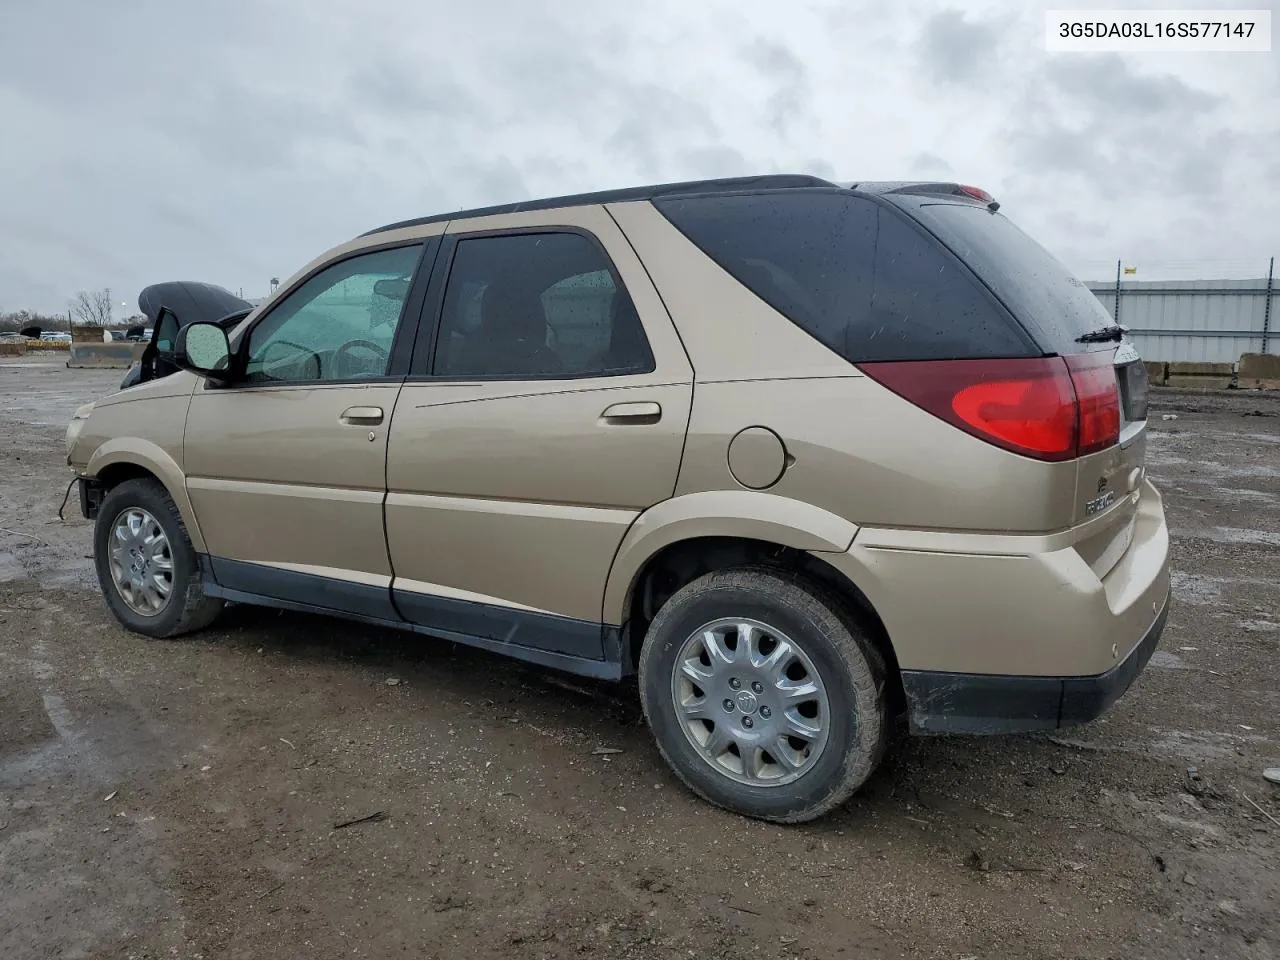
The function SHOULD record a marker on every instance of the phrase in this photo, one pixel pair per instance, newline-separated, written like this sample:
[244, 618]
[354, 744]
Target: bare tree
[93, 309]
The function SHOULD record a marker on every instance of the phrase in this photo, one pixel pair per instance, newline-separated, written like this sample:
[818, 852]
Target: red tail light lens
[1035, 414]
[1047, 408]
[1098, 393]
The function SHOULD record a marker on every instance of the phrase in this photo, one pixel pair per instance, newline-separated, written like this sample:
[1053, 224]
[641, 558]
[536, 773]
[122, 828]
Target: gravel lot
[179, 799]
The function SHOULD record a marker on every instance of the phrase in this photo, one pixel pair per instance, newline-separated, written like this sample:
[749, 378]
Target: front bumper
[91, 494]
[986, 703]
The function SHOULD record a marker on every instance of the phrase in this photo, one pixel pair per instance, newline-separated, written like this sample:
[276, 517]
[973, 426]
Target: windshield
[1050, 302]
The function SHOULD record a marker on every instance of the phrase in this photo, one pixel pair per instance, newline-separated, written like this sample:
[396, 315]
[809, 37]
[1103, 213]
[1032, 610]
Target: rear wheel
[147, 567]
[763, 694]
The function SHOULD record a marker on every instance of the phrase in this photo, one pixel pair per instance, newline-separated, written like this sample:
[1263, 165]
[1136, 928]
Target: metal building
[1205, 320]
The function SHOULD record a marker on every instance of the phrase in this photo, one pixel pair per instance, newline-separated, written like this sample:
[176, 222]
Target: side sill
[367, 608]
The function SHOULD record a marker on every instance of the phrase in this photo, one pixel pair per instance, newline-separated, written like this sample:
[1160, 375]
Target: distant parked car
[52, 337]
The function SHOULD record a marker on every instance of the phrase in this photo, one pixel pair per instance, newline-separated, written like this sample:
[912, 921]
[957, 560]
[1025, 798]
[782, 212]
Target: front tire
[763, 694]
[147, 568]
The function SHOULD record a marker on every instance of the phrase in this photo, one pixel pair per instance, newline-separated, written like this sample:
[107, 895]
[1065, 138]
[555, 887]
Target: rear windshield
[1043, 294]
[857, 275]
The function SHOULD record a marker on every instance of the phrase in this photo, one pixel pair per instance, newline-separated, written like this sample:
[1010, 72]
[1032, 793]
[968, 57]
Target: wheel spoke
[696, 708]
[719, 654]
[162, 562]
[151, 594]
[798, 691]
[752, 762]
[162, 584]
[776, 663]
[784, 755]
[800, 726]
[718, 740]
[694, 671]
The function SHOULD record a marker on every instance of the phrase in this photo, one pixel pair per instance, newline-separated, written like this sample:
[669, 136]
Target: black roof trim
[905, 186]
[926, 188]
[781, 181]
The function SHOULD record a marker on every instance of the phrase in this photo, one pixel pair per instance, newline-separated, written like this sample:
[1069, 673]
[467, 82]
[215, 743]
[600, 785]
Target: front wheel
[147, 567]
[763, 696]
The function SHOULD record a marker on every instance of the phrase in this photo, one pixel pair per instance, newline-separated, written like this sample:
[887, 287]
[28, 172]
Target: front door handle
[642, 412]
[361, 416]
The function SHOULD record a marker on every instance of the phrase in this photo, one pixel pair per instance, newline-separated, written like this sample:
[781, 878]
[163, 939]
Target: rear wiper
[1103, 334]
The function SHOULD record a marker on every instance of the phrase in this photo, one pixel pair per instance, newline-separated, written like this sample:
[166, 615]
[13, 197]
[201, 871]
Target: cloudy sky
[231, 141]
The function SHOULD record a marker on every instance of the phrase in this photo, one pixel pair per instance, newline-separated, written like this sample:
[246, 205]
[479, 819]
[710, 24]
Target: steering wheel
[338, 357]
[303, 354]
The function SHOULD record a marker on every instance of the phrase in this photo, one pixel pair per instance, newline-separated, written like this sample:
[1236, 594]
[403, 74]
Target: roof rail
[780, 181]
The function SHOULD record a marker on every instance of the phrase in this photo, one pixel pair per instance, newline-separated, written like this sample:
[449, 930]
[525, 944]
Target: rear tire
[827, 686]
[147, 568]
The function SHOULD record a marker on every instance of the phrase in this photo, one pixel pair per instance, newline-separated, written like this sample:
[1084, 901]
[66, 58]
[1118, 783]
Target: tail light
[1098, 396]
[1048, 408]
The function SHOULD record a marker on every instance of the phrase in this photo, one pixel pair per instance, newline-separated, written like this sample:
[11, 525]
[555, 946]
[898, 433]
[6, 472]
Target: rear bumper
[986, 703]
[996, 633]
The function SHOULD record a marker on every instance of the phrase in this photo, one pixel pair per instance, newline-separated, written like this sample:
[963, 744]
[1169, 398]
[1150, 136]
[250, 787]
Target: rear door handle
[642, 412]
[361, 416]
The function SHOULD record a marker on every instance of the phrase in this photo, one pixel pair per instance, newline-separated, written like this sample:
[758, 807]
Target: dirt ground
[179, 799]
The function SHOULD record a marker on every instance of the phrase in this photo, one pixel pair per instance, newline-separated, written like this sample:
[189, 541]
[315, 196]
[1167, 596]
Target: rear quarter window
[1045, 297]
[857, 275]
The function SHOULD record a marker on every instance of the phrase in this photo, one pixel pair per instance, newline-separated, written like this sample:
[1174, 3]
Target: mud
[163, 799]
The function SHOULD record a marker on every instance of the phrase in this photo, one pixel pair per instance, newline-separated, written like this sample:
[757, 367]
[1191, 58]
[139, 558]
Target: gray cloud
[955, 49]
[1122, 131]
[234, 142]
[930, 165]
[1106, 83]
[821, 168]
[401, 89]
[789, 103]
[715, 161]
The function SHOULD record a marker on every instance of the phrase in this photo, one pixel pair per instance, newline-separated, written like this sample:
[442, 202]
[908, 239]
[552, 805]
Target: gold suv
[806, 457]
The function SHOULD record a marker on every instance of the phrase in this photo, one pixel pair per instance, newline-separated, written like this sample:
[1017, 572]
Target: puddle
[1169, 661]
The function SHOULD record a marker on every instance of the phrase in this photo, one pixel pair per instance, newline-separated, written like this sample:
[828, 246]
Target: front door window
[337, 326]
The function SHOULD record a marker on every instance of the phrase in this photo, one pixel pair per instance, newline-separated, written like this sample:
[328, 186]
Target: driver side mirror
[203, 349]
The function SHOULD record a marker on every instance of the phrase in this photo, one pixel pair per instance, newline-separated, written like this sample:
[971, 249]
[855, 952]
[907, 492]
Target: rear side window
[852, 273]
[537, 305]
[1042, 293]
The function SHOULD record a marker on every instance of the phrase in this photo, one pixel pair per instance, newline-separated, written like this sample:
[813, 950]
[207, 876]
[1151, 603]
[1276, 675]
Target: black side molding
[968, 703]
[504, 626]
[574, 646]
[321, 594]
